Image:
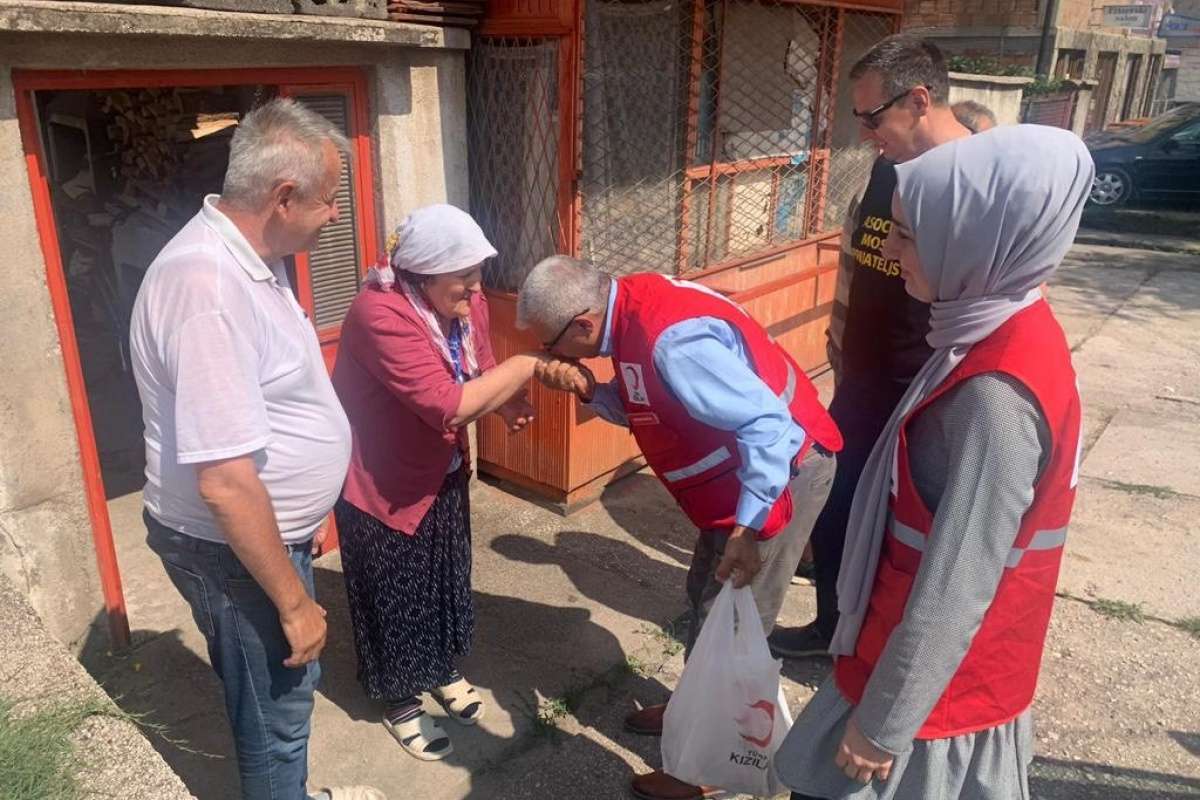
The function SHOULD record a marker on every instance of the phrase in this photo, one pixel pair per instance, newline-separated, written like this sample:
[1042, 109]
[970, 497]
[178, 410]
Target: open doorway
[118, 163]
[126, 170]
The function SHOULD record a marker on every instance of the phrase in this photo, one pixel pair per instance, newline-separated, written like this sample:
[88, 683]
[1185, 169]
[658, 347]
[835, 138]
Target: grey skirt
[991, 764]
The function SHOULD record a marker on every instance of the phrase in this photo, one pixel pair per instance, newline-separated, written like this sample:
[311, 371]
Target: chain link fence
[711, 131]
[512, 128]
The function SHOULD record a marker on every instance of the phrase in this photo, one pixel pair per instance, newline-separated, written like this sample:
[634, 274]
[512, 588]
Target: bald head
[976, 117]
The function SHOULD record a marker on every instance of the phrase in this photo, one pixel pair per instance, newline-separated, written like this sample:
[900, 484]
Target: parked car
[1158, 160]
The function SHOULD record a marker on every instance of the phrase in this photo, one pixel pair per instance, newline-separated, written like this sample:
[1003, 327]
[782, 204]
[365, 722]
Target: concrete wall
[1000, 93]
[45, 534]
[1082, 103]
[418, 98]
[112, 756]
[1187, 82]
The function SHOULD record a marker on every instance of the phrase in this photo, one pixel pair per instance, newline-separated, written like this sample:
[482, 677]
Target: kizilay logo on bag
[755, 724]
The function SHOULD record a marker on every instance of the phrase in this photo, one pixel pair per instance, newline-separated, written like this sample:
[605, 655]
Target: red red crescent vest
[998, 675]
[698, 464]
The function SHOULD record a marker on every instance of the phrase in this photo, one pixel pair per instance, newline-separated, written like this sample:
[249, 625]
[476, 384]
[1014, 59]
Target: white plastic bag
[729, 715]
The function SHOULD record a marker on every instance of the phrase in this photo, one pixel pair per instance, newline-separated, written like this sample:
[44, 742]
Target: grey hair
[558, 289]
[905, 62]
[279, 141]
[970, 113]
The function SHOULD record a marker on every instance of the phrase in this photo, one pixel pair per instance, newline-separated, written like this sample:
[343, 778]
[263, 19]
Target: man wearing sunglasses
[901, 94]
[727, 421]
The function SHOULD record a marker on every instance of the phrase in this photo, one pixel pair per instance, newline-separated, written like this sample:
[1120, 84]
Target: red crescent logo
[768, 708]
[636, 378]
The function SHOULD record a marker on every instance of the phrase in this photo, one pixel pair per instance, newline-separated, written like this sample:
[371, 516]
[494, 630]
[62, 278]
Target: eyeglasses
[870, 119]
[551, 344]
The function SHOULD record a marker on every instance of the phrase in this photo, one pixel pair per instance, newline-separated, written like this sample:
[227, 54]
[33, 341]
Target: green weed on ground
[1158, 492]
[666, 637]
[637, 667]
[552, 711]
[36, 755]
[1190, 625]
[1119, 610]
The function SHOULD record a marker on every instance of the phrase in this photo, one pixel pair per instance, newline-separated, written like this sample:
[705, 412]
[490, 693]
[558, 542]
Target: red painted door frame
[25, 83]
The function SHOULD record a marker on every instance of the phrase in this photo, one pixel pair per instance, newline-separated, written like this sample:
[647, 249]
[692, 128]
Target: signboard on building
[1179, 26]
[1171, 61]
[1133, 17]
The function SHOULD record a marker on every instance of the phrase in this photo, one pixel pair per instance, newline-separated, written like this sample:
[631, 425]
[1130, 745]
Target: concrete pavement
[575, 614]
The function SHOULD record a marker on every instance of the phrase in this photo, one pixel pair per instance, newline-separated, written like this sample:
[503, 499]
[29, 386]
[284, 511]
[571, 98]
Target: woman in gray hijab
[958, 523]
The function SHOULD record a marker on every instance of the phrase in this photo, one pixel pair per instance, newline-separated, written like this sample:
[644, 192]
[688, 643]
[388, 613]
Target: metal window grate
[513, 128]
[710, 131]
[849, 159]
[335, 263]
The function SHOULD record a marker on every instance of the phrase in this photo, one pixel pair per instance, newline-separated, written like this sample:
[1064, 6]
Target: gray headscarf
[992, 215]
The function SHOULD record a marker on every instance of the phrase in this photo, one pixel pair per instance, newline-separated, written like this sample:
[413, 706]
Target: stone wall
[1096, 42]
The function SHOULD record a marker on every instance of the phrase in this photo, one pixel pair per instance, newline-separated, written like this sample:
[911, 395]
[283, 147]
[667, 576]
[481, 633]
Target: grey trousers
[780, 554]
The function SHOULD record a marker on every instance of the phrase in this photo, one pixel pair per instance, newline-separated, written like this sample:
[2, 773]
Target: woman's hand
[566, 376]
[860, 759]
[517, 412]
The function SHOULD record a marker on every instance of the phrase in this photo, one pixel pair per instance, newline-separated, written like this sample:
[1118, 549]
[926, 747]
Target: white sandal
[461, 701]
[419, 735]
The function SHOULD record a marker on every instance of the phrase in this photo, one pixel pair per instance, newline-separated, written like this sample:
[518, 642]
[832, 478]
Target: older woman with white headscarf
[414, 368]
[958, 523]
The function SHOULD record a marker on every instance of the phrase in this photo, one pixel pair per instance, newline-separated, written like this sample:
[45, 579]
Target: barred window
[710, 131]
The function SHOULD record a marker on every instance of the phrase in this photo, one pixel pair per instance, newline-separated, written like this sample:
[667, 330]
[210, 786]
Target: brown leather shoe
[647, 722]
[658, 785]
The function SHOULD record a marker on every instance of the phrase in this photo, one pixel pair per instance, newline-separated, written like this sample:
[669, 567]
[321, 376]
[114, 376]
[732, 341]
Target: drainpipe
[1046, 48]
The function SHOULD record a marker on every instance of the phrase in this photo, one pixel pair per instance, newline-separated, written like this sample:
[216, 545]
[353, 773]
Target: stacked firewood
[454, 13]
[166, 150]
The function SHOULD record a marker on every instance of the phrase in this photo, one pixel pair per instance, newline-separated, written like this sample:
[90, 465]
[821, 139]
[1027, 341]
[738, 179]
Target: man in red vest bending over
[723, 415]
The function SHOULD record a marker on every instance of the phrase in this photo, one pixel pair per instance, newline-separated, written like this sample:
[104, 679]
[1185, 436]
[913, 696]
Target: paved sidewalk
[572, 610]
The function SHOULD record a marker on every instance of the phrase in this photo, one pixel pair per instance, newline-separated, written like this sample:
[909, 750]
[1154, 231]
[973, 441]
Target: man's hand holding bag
[728, 715]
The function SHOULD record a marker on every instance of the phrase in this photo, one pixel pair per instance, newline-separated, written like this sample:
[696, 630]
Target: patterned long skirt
[410, 596]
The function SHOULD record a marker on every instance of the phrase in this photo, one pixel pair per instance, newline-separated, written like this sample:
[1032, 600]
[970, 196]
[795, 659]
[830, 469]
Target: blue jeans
[269, 705]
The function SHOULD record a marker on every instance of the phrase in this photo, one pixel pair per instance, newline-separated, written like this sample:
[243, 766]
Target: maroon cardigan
[399, 394]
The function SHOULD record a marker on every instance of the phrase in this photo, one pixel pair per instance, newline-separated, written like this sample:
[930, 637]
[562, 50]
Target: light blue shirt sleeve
[606, 402]
[606, 398]
[705, 365]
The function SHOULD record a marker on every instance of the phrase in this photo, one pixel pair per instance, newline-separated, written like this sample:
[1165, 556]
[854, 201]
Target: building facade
[1081, 40]
[1182, 35]
[114, 121]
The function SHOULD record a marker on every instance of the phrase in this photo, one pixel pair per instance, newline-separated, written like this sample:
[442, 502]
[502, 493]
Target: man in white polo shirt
[246, 444]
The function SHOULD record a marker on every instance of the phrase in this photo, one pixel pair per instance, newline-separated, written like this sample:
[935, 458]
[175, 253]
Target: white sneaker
[354, 793]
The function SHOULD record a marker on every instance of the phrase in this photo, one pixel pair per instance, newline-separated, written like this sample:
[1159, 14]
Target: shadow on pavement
[640, 505]
[538, 662]
[605, 570]
[532, 657]
[1188, 741]
[1055, 779]
[176, 698]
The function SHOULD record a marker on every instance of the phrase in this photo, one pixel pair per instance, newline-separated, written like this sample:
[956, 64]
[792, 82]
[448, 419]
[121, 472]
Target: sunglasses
[551, 344]
[870, 119]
